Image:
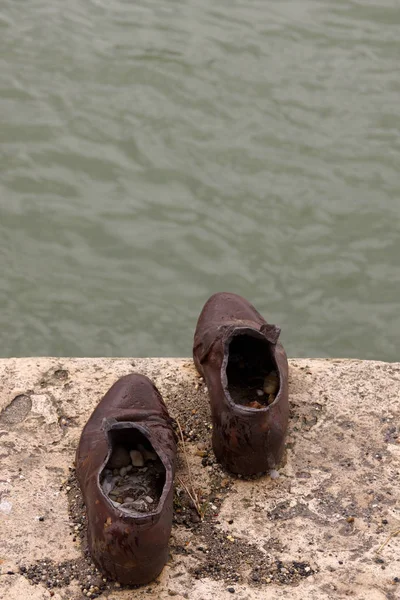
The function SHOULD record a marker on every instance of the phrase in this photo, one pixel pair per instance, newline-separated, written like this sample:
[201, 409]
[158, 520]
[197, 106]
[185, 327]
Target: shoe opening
[134, 476]
[253, 379]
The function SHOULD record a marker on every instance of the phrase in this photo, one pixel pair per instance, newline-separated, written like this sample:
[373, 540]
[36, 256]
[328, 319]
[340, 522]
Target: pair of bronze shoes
[125, 462]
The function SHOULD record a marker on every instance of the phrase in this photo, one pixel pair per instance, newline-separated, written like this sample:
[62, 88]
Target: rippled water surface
[154, 152]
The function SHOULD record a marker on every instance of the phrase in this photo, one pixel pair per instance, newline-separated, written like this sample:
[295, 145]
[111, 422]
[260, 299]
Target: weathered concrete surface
[334, 505]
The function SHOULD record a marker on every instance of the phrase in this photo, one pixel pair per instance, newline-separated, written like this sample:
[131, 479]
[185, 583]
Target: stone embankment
[325, 526]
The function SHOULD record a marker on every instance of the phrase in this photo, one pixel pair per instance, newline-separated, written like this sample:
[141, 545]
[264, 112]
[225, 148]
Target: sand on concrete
[320, 530]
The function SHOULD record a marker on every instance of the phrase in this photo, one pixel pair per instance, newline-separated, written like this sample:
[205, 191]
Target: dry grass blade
[189, 493]
[392, 535]
[190, 490]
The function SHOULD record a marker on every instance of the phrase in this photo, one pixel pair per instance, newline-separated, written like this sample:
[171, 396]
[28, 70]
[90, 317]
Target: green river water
[152, 153]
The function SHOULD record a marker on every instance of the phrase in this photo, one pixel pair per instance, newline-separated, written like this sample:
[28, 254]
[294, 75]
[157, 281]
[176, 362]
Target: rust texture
[245, 440]
[129, 549]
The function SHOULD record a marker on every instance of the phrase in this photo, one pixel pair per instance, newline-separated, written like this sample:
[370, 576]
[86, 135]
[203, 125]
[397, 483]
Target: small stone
[40, 518]
[149, 500]
[231, 590]
[68, 488]
[255, 404]
[201, 453]
[271, 383]
[122, 471]
[136, 458]
[350, 519]
[260, 393]
[307, 569]
[274, 474]
[119, 458]
[117, 584]
[108, 483]
[139, 505]
[230, 538]
[149, 456]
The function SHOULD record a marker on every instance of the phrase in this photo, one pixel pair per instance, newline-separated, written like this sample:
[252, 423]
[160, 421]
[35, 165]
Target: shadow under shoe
[246, 372]
[125, 464]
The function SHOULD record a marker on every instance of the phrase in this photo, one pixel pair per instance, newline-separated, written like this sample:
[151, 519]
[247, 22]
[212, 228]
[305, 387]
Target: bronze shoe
[246, 372]
[125, 464]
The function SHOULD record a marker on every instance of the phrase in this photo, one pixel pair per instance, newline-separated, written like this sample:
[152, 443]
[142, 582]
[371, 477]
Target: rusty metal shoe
[127, 448]
[246, 372]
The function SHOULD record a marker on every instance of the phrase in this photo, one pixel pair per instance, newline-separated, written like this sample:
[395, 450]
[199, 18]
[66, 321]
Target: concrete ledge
[320, 530]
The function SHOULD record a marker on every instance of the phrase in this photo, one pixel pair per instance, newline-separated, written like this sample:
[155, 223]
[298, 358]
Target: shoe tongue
[135, 418]
[271, 332]
[223, 332]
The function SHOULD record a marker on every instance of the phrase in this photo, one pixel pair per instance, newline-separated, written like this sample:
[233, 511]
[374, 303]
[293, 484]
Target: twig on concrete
[190, 490]
[392, 535]
[189, 493]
